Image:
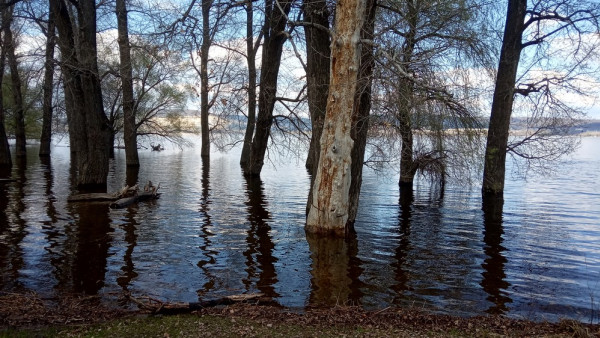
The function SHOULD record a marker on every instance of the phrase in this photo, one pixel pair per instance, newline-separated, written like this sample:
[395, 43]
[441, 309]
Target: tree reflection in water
[494, 274]
[205, 231]
[130, 228]
[404, 217]
[336, 270]
[12, 229]
[259, 254]
[90, 239]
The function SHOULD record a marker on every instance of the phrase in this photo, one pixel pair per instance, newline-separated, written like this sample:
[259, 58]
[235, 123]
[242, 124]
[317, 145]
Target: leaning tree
[546, 49]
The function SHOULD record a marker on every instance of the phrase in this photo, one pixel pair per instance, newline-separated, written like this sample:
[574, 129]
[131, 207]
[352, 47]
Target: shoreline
[80, 315]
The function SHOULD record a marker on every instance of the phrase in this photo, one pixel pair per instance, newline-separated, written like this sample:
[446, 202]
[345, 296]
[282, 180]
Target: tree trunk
[48, 87]
[274, 37]
[498, 131]
[251, 50]
[17, 94]
[88, 126]
[360, 115]
[317, 74]
[329, 212]
[129, 126]
[5, 159]
[405, 95]
[407, 164]
[317, 78]
[204, 49]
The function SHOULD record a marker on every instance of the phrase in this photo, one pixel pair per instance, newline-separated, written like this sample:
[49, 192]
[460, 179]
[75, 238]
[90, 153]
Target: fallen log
[158, 307]
[124, 194]
[98, 197]
[143, 196]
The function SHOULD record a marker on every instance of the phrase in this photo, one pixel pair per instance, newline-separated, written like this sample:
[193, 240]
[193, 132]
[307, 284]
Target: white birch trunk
[328, 213]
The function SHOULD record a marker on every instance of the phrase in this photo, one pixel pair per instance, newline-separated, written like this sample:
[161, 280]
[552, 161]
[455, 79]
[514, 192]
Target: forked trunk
[274, 38]
[88, 126]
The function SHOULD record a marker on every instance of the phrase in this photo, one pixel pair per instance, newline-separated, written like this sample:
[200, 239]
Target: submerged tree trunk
[48, 88]
[498, 131]
[251, 58]
[129, 126]
[407, 164]
[330, 208]
[360, 115]
[16, 90]
[317, 78]
[204, 104]
[317, 74]
[5, 159]
[405, 95]
[88, 126]
[274, 37]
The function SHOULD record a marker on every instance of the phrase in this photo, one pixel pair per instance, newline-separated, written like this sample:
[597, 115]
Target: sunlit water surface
[214, 233]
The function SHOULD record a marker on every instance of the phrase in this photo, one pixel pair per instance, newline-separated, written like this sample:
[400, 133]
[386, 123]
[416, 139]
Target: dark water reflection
[213, 232]
[335, 271]
[494, 277]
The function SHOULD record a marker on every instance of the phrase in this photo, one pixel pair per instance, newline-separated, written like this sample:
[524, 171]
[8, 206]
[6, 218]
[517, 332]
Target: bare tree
[16, 87]
[5, 158]
[416, 90]
[126, 73]
[88, 126]
[251, 50]
[48, 86]
[362, 110]
[276, 12]
[159, 98]
[537, 25]
[318, 51]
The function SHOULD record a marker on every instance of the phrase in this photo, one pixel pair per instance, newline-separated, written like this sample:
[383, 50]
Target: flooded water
[214, 233]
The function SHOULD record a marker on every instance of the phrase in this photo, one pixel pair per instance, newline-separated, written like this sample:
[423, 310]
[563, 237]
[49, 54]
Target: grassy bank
[28, 315]
[244, 320]
[209, 326]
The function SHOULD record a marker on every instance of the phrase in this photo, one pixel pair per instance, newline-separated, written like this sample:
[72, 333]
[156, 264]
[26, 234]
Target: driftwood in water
[131, 195]
[123, 198]
[157, 147]
[144, 196]
[158, 307]
[99, 197]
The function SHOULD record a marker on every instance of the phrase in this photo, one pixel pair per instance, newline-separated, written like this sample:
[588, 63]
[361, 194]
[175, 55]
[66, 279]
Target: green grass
[206, 326]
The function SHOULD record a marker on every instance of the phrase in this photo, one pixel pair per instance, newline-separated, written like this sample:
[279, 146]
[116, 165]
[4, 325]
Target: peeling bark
[362, 110]
[329, 212]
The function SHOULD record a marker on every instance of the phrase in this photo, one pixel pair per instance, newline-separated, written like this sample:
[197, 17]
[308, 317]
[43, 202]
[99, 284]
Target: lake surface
[214, 233]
